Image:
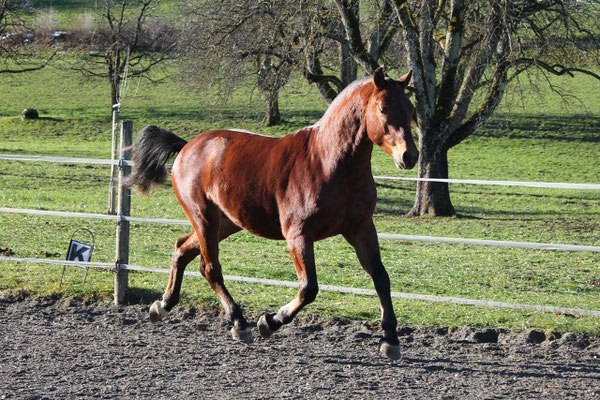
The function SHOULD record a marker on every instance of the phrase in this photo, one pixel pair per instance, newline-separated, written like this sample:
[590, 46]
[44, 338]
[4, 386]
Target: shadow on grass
[50, 119]
[401, 206]
[393, 207]
[18, 120]
[63, 5]
[568, 128]
[407, 190]
[238, 117]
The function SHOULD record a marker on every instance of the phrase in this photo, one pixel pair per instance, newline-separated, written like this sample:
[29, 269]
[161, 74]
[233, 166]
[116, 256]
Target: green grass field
[534, 138]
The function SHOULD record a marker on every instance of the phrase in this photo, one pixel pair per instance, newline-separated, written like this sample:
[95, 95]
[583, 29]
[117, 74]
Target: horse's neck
[343, 143]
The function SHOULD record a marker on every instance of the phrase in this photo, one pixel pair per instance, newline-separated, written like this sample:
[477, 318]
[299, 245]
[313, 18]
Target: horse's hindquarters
[228, 169]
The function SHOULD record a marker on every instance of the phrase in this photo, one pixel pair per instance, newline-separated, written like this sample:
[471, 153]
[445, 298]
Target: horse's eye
[383, 110]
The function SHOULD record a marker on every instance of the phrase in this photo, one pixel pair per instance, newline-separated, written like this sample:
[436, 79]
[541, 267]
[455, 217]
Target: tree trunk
[433, 198]
[272, 116]
[314, 74]
[349, 68]
[114, 81]
[114, 94]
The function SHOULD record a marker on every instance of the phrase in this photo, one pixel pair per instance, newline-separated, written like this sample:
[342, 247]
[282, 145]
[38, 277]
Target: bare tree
[463, 55]
[326, 33]
[125, 45]
[16, 52]
[225, 43]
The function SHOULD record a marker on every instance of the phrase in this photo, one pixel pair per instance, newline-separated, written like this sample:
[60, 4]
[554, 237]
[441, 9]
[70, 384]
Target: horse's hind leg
[302, 253]
[186, 249]
[210, 230]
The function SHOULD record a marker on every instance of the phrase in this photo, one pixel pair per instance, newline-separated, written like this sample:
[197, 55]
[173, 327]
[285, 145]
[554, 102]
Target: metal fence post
[112, 189]
[124, 203]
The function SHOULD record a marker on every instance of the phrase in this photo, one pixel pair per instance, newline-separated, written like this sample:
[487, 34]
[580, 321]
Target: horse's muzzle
[407, 160]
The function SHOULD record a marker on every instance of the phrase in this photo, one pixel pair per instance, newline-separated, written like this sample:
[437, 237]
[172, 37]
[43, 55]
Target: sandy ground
[66, 349]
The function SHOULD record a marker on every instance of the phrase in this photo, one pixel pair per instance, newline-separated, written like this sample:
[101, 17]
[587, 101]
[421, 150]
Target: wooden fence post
[112, 189]
[124, 203]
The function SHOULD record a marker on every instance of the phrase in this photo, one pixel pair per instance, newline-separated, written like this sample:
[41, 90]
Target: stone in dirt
[536, 337]
[486, 336]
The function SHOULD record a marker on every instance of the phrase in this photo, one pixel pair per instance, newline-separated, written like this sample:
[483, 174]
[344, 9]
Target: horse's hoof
[263, 327]
[243, 335]
[391, 351]
[157, 312]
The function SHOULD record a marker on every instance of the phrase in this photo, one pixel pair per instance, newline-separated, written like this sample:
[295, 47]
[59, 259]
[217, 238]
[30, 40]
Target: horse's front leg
[366, 245]
[302, 253]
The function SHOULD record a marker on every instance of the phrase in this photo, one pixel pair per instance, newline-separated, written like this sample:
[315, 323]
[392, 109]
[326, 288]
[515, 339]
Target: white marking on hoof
[390, 351]
[157, 311]
[263, 327]
[243, 335]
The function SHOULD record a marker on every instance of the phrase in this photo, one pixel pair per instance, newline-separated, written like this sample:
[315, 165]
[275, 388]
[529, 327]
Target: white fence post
[124, 205]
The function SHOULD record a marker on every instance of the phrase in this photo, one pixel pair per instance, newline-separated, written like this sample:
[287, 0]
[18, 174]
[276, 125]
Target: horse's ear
[405, 79]
[379, 78]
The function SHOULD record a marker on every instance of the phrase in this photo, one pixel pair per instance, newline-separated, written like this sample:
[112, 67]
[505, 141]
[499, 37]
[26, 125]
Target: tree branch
[415, 62]
[382, 37]
[491, 101]
[556, 69]
[314, 74]
[426, 34]
[351, 25]
[451, 57]
[138, 26]
[29, 69]
[3, 8]
[474, 73]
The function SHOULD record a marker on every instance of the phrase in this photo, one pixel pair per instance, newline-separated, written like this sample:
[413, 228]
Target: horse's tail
[151, 151]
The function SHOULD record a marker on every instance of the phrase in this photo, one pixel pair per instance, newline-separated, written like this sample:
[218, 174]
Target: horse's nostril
[410, 159]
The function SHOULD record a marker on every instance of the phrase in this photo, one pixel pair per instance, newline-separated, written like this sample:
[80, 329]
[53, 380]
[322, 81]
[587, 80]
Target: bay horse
[301, 187]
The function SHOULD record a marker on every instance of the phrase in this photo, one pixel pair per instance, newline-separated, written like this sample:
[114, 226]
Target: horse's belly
[253, 217]
[273, 220]
[336, 222]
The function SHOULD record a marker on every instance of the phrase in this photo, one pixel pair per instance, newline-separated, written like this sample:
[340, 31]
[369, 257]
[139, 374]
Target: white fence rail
[547, 185]
[384, 236]
[119, 266]
[327, 288]
[62, 160]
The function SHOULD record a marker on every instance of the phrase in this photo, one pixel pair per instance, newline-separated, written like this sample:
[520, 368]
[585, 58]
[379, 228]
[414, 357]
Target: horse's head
[388, 118]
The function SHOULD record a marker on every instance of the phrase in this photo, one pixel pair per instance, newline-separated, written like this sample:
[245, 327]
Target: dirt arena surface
[65, 349]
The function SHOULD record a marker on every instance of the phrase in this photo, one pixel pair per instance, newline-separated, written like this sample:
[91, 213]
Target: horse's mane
[341, 98]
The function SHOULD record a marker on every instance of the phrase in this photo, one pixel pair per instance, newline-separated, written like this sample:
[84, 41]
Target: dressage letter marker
[79, 252]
